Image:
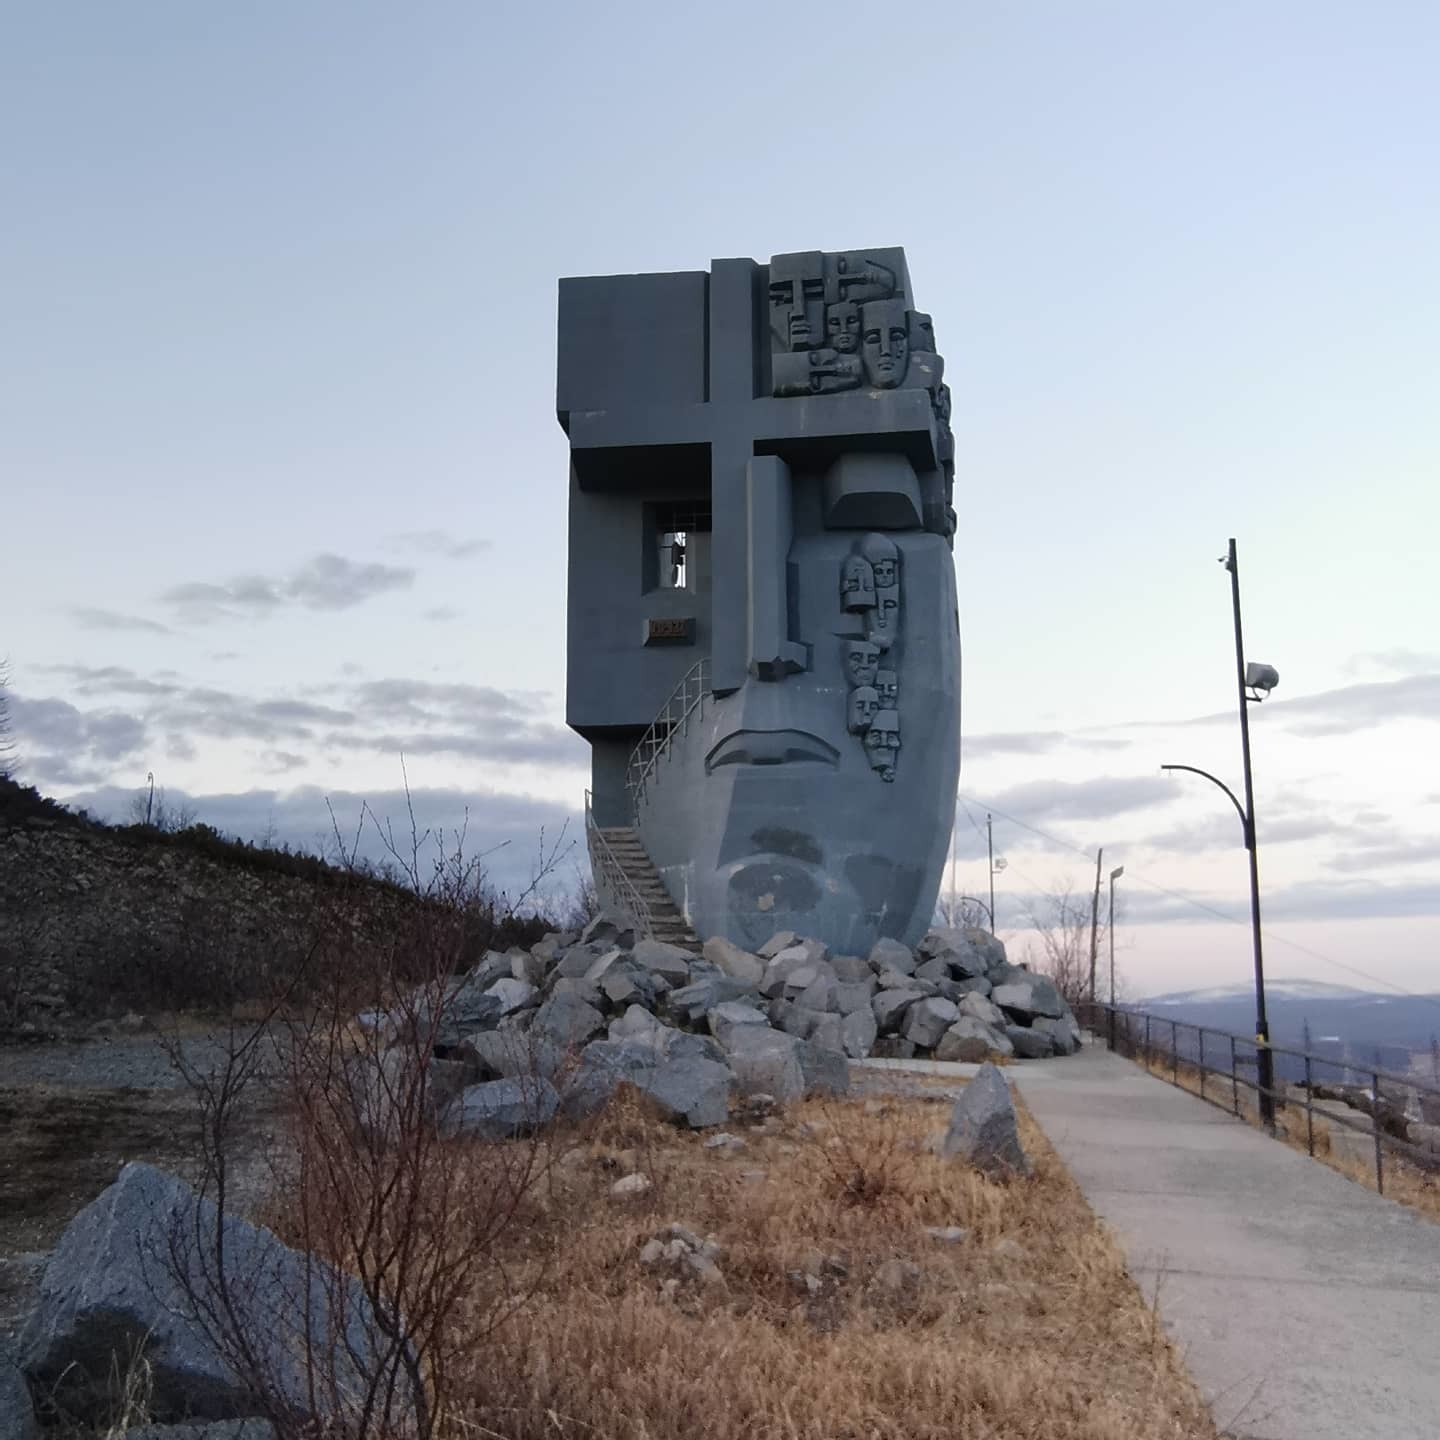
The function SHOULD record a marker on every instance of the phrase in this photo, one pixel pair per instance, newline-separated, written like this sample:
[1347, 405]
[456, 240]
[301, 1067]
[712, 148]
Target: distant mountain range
[1360, 1026]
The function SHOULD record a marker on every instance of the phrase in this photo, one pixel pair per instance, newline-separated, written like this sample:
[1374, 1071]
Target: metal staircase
[626, 878]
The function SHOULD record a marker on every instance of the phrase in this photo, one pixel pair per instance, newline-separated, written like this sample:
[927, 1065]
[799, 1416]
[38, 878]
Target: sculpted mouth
[771, 747]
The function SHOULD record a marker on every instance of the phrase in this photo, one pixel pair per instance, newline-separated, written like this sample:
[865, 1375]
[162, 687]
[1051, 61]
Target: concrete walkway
[1306, 1307]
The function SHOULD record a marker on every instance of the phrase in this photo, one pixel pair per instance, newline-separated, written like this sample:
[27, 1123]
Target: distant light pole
[1115, 874]
[1251, 679]
[996, 866]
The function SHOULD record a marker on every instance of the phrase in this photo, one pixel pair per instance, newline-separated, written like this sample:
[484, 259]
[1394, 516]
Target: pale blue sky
[279, 282]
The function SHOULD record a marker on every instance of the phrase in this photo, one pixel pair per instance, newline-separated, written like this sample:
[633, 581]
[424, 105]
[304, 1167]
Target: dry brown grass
[1405, 1183]
[1028, 1327]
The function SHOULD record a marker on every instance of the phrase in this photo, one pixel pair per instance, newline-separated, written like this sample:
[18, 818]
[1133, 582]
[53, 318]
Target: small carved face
[922, 331]
[887, 683]
[842, 326]
[882, 742]
[797, 301]
[887, 615]
[886, 347]
[884, 558]
[862, 660]
[864, 703]
[857, 584]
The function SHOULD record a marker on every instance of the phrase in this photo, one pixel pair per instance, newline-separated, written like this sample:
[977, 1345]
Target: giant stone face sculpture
[787, 424]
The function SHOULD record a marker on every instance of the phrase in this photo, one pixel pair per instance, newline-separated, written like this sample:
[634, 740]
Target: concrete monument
[760, 555]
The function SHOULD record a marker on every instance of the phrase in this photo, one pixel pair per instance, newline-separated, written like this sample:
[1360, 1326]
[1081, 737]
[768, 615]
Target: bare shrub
[1060, 925]
[9, 756]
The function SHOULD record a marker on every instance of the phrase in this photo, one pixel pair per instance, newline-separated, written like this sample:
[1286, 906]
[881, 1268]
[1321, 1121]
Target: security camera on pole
[1255, 682]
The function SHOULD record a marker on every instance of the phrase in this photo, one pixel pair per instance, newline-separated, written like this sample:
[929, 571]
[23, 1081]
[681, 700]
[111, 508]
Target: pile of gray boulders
[530, 1035]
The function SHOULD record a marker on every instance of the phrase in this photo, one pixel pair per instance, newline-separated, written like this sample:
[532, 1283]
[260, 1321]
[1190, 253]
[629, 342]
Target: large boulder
[765, 1062]
[500, 1109]
[609, 928]
[891, 955]
[927, 1020]
[668, 961]
[690, 1004]
[974, 1004]
[1030, 1044]
[780, 940]
[403, 1087]
[852, 995]
[983, 1130]
[826, 1071]
[972, 1040]
[726, 1016]
[1030, 998]
[733, 961]
[496, 1054]
[889, 1007]
[778, 971]
[858, 1033]
[513, 995]
[136, 1271]
[691, 1089]
[850, 968]
[1064, 1034]
[567, 1020]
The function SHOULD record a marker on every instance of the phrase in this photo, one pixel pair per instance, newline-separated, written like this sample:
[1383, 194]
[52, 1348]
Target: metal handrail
[607, 867]
[687, 697]
[1138, 1035]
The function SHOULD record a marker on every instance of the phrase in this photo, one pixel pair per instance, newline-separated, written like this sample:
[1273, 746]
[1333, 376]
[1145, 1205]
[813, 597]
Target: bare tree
[963, 913]
[9, 759]
[1060, 921]
[151, 807]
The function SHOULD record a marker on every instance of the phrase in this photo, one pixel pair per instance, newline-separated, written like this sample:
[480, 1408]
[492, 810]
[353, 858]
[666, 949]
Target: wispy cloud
[89, 618]
[436, 542]
[325, 582]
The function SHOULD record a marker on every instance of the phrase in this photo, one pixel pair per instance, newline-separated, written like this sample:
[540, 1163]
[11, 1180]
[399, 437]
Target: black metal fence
[1220, 1067]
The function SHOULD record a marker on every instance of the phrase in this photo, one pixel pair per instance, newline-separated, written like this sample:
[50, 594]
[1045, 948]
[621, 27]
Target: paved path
[1306, 1306]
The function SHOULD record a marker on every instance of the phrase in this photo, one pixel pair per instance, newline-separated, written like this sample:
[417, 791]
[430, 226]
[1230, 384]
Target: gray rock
[982, 1127]
[826, 1071]
[404, 1087]
[1030, 1044]
[957, 948]
[801, 976]
[464, 1007]
[508, 1053]
[575, 961]
[513, 995]
[604, 1066]
[892, 955]
[668, 961]
[547, 951]
[609, 929]
[892, 1047]
[894, 980]
[974, 985]
[733, 961]
[529, 967]
[1030, 998]
[827, 1030]
[621, 987]
[859, 1032]
[889, 1007]
[17, 1411]
[690, 1089]
[820, 993]
[781, 940]
[855, 995]
[971, 1040]
[1061, 1037]
[500, 1109]
[125, 1276]
[850, 968]
[778, 972]
[765, 1062]
[567, 1020]
[935, 970]
[725, 1017]
[1425, 1137]
[493, 967]
[690, 1004]
[988, 1013]
[927, 1020]
[604, 964]
[576, 989]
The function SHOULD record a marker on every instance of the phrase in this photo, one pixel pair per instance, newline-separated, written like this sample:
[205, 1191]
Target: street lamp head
[1261, 678]
[1000, 863]
[1117, 872]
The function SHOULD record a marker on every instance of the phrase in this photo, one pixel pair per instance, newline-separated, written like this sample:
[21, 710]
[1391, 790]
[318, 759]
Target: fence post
[1375, 1126]
[1174, 1053]
[1147, 1042]
[1234, 1079]
[1110, 1025]
[1200, 1037]
[1309, 1108]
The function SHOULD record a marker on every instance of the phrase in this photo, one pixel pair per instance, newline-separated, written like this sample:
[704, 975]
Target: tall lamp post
[1115, 874]
[996, 866]
[1254, 682]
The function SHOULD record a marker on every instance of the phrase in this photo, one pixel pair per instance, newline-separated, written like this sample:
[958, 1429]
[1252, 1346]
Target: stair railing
[685, 699]
[611, 879]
